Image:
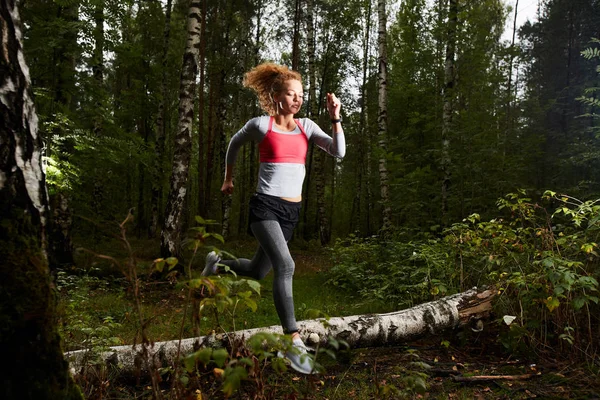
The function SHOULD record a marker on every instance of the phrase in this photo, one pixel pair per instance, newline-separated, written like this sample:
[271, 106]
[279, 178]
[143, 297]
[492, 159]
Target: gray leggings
[273, 252]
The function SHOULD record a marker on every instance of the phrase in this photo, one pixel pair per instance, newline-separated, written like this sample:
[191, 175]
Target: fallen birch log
[358, 331]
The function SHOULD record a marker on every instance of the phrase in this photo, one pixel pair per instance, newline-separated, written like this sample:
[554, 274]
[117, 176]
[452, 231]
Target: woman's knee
[286, 267]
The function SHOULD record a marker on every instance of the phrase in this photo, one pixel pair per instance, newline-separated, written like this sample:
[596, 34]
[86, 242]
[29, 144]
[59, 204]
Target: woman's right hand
[227, 187]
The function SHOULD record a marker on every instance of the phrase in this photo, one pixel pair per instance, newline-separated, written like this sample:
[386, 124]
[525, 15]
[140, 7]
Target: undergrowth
[541, 257]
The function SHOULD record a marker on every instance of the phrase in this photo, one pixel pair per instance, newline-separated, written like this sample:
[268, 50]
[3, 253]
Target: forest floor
[457, 365]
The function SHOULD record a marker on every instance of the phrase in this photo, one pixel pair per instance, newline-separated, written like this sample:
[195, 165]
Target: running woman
[275, 207]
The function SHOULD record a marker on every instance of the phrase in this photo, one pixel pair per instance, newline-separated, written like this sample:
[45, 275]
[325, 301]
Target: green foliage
[81, 328]
[401, 273]
[544, 264]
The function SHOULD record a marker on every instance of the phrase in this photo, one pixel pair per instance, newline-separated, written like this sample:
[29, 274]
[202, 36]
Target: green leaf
[578, 302]
[233, 379]
[203, 355]
[254, 285]
[552, 303]
[220, 356]
[218, 237]
[159, 264]
[251, 304]
[172, 261]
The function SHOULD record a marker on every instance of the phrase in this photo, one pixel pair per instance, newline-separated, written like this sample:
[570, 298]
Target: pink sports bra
[283, 148]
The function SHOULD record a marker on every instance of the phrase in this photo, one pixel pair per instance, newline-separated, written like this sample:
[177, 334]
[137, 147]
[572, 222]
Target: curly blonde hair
[267, 79]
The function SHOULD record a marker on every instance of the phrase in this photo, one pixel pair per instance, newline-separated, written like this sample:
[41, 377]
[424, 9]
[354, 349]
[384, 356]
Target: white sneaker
[212, 259]
[299, 358]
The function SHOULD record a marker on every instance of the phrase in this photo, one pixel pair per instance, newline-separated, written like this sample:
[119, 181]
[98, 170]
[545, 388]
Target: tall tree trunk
[98, 63]
[448, 110]
[296, 35]
[60, 249]
[318, 156]
[29, 335]
[213, 90]
[311, 111]
[202, 178]
[356, 216]
[159, 145]
[252, 171]
[171, 232]
[98, 74]
[140, 215]
[510, 70]
[386, 210]
[221, 118]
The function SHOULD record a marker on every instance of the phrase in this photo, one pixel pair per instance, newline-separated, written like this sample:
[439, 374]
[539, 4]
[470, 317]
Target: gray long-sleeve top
[283, 174]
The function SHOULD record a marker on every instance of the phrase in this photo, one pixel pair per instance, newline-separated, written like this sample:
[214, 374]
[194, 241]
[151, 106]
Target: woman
[275, 207]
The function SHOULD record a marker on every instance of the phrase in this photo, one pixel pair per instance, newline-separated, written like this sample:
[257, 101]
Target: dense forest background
[472, 160]
[107, 75]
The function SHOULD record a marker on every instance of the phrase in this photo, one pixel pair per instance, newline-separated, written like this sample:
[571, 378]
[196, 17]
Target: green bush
[541, 256]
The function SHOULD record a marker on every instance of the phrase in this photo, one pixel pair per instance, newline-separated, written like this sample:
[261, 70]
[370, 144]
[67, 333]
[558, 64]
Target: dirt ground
[427, 369]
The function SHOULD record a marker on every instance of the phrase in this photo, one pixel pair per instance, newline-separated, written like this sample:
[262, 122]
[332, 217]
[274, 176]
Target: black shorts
[264, 207]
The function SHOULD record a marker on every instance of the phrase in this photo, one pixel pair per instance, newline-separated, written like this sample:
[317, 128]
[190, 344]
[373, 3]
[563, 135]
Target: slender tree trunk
[59, 230]
[226, 201]
[311, 111]
[98, 74]
[140, 213]
[318, 156]
[356, 216]
[171, 233]
[98, 63]
[159, 146]
[253, 161]
[386, 210]
[510, 72]
[296, 36]
[201, 131]
[448, 109]
[29, 338]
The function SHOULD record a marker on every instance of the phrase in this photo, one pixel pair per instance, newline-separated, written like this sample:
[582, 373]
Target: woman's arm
[250, 132]
[335, 146]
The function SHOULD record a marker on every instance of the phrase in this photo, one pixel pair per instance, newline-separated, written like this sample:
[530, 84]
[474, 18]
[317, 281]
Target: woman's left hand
[333, 106]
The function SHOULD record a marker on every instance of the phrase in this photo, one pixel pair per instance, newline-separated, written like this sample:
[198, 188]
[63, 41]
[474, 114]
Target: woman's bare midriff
[292, 199]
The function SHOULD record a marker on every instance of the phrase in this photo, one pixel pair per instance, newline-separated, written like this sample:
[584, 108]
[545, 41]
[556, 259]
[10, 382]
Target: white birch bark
[174, 215]
[358, 331]
[29, 317]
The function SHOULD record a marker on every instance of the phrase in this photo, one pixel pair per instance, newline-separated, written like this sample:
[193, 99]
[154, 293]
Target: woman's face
[290, 98]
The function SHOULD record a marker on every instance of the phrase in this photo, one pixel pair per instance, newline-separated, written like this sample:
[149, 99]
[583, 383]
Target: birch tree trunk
[386, 210]
[171, 232]
[202, 178]
[372, 330]
[356, 218]
[159, 146]
[448, 107]
[29, 338]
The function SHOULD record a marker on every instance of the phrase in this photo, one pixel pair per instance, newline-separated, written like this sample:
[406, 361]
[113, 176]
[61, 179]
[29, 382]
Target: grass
[164, 303]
